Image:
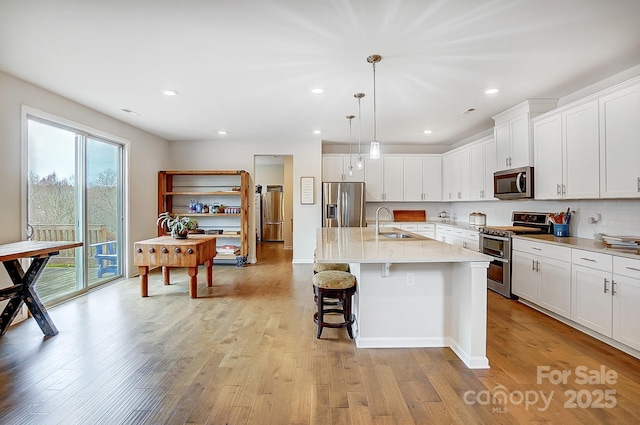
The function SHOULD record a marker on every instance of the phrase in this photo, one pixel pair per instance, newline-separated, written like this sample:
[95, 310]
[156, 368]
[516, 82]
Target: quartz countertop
[444, 222]
[362, 245]
[582, 243]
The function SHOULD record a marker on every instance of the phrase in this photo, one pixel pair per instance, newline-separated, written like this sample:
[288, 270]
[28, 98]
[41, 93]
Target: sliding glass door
[74, 193]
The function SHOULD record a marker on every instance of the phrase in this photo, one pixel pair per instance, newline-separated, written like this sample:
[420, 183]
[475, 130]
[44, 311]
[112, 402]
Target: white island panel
[415, 292]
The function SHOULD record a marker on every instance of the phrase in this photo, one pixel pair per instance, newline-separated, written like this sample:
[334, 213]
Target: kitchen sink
[397, 235]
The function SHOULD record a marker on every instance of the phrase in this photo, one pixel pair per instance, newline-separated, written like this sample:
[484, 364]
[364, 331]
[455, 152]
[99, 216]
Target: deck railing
[67, 232]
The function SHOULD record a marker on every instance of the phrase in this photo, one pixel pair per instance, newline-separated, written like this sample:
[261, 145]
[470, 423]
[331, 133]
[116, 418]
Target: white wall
[233, 155]
[146, 154]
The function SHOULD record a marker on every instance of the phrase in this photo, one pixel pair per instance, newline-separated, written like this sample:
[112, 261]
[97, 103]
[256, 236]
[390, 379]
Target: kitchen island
[413, 291]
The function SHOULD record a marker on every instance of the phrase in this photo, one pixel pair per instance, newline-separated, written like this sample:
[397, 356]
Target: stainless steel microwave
[516, 183]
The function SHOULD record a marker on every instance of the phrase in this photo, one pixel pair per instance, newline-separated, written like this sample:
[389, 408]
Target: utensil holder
[561, 230]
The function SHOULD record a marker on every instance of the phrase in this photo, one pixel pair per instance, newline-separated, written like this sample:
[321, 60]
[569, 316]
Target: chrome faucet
[378, 218]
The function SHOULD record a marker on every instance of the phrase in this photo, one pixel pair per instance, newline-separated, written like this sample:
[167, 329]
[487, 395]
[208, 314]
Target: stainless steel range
[495, 241]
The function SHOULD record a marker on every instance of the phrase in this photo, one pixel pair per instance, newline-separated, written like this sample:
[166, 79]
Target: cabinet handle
[537, 266]
[564, 189]
[605, 286]
[613, 287]
[632, 268]
[536, 248]
[588, 259]
[506, 161]
[557, 189]
[533, 265]
[482, 193]
[638, 184]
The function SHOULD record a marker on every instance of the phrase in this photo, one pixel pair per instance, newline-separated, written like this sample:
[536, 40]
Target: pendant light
[374, 151]
[350, 117]
[359, 163]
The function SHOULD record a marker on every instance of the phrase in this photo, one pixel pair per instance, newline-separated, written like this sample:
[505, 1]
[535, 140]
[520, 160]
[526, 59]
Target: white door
[393, 181]
[373, 180]
[548, 154]
[620, 144]
[524, 276]
[582, 156]
[412, 174]
[626, 314]
[554, 286]
[591, 303]
[432, 178]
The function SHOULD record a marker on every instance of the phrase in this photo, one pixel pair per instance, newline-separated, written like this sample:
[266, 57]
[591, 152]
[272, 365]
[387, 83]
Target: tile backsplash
[617, 216]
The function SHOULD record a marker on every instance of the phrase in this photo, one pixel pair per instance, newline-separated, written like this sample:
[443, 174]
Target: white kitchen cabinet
[384, 179]
[482, 165]
[626, 299]
[513, 143]
[445, 234]
[512, 133]
[447, 172]
[591, 304]
[422, 177]
[566, 153]
[541, 274]
[455, 175]
[606, 295]
[335, 168]
[427, 229]
[620, 144]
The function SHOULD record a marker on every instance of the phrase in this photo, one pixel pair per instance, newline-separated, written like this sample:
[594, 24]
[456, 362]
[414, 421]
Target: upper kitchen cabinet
[482, 166]
[422, 178]
[566, 153]
[384, 179]
[620, 143]
[335, 168]
[512, 132]
[455, 175]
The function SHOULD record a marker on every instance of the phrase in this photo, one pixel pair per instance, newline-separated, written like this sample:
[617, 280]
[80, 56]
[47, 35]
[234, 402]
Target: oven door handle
[502, 260]
[498, 238]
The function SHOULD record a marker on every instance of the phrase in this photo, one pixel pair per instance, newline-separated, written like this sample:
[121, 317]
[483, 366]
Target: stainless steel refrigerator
[273, 214]
[343, 204]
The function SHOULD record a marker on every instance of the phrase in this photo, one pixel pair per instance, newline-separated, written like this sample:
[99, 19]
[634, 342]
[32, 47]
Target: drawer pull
[176, 250]
[537, 249]
[164, 250]
[139, 250]
[605, 286]
[588, 259]
[190, 251]
[633, 268]
[151, 250]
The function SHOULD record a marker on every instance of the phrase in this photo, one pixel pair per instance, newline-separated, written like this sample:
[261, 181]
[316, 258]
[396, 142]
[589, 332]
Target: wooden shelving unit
[211, 187]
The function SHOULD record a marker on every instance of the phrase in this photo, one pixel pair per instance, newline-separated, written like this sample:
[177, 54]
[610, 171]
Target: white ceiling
[248, 67]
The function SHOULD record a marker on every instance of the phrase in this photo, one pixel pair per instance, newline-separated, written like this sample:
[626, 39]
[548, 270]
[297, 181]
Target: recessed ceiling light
[491, 90]
[222, 132]
[317, 132]
[170, 92]
[317, 91]
[428, 132]
[130, 112]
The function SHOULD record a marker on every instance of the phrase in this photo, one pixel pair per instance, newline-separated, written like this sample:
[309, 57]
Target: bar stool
[323, 267]
[334, 285]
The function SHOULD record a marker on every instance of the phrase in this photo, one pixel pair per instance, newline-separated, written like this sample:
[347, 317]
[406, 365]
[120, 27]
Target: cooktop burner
[523, 222]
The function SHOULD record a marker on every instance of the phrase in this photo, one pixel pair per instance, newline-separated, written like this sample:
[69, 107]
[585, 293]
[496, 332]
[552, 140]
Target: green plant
[178, 226]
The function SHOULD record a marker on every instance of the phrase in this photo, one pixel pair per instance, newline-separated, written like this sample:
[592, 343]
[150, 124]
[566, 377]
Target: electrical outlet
[595, 219]
[411, 279]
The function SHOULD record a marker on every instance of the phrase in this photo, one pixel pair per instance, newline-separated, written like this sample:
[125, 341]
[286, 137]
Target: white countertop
[362, 245]
[582, 243]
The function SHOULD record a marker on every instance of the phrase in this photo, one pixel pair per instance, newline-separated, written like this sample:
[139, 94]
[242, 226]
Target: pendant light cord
[375, 133]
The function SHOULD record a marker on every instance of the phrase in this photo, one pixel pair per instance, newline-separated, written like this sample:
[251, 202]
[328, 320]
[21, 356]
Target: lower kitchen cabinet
[606, 295]
[592, 304]
[541, 274]
[626, 311]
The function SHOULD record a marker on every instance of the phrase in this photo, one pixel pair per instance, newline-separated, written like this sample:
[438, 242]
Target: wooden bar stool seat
[333, 285]
[323, 267]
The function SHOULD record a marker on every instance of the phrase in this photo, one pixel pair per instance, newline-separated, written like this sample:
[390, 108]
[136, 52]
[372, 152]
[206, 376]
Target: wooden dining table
[23, 290]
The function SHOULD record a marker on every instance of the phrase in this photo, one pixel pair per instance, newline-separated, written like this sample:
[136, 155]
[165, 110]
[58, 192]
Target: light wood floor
[246, 353]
